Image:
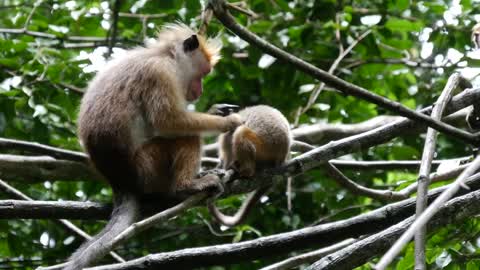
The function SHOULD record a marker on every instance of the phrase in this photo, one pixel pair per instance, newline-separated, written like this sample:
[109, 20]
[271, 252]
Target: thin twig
[207, 15]
[427, 215]
[245, 11]
[388, 164]
[113, 33]
[21, 31]
[30, 15]
[435, 177]
[65, 223]
[338, 34]
[337, 212]
[348, 88]
[316, 92]
[308, 257]
[344, 181]
[425, 167]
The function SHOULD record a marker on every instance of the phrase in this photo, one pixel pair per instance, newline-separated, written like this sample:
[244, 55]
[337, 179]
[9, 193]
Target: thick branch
[317, 236]
[32, 169]
[37, 148]
[11, 209]
[359, 253]
[348, 88]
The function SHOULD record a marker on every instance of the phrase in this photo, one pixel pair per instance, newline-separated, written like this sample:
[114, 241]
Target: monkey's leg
[153, 164]
[186, 163]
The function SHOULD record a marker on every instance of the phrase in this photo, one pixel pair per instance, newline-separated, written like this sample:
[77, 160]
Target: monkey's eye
[190, 43]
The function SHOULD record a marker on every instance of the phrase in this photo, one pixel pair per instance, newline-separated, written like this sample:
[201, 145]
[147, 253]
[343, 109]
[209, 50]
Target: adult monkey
[137, 132]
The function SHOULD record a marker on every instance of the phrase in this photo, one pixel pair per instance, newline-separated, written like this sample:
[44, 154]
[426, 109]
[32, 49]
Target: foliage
[39, 79]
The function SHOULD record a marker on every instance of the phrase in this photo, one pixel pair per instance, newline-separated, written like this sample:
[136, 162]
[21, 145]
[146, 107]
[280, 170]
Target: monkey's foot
[209, 183]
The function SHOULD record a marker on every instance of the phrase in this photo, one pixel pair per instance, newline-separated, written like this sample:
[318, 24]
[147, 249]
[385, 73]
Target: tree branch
[22, 31]
[65, 223]
[77, 212]
[387, 164]
[428, 214]
[228, 21]
[26, 169]
[342, 180]
[316, 92]
[32, 169]
[15, 209]
[317, 236]
[425, 167]
[37, 148]
[113, 33]
[308, 257]
[359, 253]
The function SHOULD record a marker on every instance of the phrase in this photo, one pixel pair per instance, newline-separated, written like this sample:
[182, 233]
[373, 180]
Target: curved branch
[222, 14]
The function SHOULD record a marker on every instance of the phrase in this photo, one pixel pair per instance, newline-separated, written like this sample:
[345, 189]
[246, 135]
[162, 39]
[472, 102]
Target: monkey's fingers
[223, 109]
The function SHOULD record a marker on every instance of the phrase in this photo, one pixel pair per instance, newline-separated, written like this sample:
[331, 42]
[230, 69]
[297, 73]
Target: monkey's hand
[232, 122]
[223, 109]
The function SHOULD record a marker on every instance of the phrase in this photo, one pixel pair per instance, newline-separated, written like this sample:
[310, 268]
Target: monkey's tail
[124, 214]
[242, 212]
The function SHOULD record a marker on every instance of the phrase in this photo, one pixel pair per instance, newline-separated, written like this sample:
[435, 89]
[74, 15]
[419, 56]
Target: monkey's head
[193, 54]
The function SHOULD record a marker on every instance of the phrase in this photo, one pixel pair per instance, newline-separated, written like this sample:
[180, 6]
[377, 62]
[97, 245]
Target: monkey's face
[195, 65]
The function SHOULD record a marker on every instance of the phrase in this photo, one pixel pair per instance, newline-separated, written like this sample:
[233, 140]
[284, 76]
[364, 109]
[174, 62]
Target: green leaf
[402, 25]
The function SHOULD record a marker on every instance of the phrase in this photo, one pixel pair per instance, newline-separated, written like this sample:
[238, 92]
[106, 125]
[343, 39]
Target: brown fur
[262, 142]
[134, 125]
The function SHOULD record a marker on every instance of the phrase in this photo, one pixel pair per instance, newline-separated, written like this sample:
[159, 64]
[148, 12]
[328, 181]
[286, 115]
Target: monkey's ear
[190, 43]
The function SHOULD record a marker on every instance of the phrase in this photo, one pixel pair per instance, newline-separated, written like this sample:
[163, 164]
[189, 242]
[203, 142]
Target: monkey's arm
[193, 123]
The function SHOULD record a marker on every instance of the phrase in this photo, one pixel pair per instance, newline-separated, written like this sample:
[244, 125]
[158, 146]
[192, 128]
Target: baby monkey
[263, 141]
